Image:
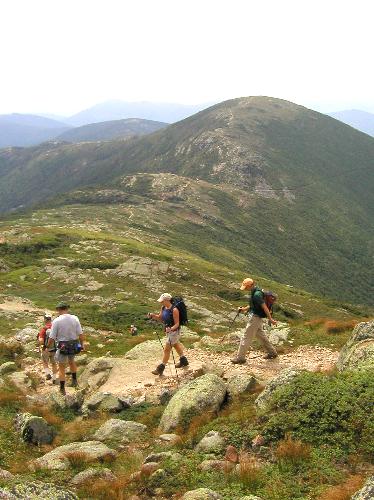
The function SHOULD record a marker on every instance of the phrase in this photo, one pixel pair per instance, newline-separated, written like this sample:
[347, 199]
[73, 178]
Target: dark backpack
[178, 302]
[270, 298]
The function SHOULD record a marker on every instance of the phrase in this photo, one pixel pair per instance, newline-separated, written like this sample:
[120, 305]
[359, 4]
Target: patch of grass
[345, 490]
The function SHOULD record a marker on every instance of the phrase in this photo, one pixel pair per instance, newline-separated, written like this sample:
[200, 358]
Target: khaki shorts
[63, 359]
[48, 356]
[173, 337]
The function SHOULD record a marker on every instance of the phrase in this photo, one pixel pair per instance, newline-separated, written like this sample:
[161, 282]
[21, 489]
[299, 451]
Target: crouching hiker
[47, 353]
[67, 332]
[257, 311]
[170, 316]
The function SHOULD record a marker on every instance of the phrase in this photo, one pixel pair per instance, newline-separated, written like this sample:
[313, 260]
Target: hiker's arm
[243, 309]
[80, 334]
[53, 335]
[41, 338]
[155, 316]
[81, 341]
[176, 321]
[268, 314]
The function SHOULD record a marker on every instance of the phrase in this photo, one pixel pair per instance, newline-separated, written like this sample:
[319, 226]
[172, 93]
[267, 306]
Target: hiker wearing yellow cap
[170, 316]
[257, 310]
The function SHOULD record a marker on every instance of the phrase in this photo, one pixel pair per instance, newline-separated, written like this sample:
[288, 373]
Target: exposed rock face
[89, 451]
[202, 395]
[367, 492]
[34, 429]
[92, 474]
[212, 442]
[35, 490]
[96, 373]
[201, 494]
[284, 377]
[358, 352]
[120, 431]
[239, 383]
[8, 367]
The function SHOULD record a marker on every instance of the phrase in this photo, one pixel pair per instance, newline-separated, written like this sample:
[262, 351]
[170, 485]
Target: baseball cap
[47, 315]
[246, 282]
[164, 296]
[62, 305]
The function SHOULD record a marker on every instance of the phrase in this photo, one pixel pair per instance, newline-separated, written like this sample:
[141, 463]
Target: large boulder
[35, 490]
[8, 367]
[202, 395]
[358, 352]
[34, 429]
[150, 349]
[102, 401]
[367, 492]
[72, 400]
[284, 377]
[212, 442]
[59, 458]
[120, 431]
[92, 474]
[240, 383]
[26, 335]
[96, 373]
[201, 494]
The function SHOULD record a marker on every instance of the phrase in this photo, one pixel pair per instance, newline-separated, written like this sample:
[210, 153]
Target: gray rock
[27, 334]
[120, 431]
[284, 377]
[20, 380]
[92, 474]
[202, 395]
[165, 396]
[126, 401]
[367, 492]
[81, 360]
[358, 352]
[34, 429]
[212, 368]
[163, 455]
[220, 465]
[250, 497]
[72, 400]
[146, 350]
[8, 367]
[5, 475]
[96, 373]
[201, 494]
[212, 442]
[6, 495]
[4, 268]
[101, 401]
[240, 383]
[169, 439]
[35, 490]
[58, 459]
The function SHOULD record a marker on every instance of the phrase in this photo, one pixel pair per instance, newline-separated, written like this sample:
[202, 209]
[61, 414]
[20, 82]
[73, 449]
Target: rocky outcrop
[34, 429]
[202, 395]
[284, 377]
[212, 442]
[240, 383]
[36, 489]
[59, 458]
[201, 494]
[367, 492]
[358, 352]
[120, 431]
[96, 373]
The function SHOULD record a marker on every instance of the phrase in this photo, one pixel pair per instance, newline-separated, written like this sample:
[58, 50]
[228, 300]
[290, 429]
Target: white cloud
[62, 56]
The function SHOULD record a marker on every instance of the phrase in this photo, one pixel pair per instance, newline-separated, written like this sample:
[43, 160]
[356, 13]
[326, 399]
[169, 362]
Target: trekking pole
[233, 321]
[175, 366]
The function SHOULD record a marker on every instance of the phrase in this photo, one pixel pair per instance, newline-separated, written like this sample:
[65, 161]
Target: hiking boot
[48, 376]
[74, 383]
[62, 391]
[271, 355]
[238, 361]
[159, 370]
[183, 361]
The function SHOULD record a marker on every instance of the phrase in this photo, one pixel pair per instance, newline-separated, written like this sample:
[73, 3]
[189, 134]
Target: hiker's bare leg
[167, 350]
[61, 372]
[72, 366]
[179, 348]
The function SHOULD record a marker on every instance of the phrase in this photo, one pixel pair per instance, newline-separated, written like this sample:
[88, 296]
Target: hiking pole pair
[172, 353]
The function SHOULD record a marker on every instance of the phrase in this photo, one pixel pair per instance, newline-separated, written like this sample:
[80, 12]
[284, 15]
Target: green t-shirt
[256, 301]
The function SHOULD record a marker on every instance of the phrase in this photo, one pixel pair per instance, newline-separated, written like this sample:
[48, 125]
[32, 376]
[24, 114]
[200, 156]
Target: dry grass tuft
[10, 397]
[249, 471]
[77, 459]
[292, 450]
[340, 326]
[343, 491]
[77, 430]
[45, 412]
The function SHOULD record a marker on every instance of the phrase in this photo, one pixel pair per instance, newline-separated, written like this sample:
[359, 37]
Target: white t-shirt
[65, 327]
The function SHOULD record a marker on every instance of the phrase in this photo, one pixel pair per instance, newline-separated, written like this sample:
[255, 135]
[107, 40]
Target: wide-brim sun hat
[164, 296]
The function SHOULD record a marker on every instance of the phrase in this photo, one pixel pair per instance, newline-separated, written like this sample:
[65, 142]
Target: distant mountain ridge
[110, 130]
[356, 118]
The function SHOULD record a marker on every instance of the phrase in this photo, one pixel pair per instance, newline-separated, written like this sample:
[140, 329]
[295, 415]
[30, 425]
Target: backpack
[270, 298]
[178, 302]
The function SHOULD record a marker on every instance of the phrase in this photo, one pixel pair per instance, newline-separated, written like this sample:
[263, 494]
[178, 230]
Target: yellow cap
[248, 282]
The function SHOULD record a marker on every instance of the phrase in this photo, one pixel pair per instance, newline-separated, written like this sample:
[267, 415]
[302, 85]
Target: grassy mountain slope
[115, 129]
[287, 190]
[356, 118]
[26, 130]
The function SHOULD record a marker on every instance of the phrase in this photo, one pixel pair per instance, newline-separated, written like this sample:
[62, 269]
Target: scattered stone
[34, 429]
[58, 459]
[250, 497]
[221, 465]
[148, 468]
[120, 431]
[163, 455]
[201, 494]
[232, 454]
[358, 352]
[170, 439]
[72, 400]
[20, 380]
[5, 475]
[126, 401]
[102, 401]
[367, 492]
[283, 378]
[35, 490]
[202, 395]
[212, 442]
[258, 441]
[8, 367]
[93, 474]
[240, 383]
[96, 373]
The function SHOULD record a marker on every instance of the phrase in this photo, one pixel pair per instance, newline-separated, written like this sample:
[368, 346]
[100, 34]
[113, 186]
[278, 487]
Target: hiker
[67, 332]
[257, 311]
[133, 330]
[47, 353]
[170, 316]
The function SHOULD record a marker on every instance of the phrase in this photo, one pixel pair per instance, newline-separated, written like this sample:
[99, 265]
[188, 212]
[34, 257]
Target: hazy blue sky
[60, 56]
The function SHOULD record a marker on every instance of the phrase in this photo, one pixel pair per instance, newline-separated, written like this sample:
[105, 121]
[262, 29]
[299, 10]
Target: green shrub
[320, 409]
